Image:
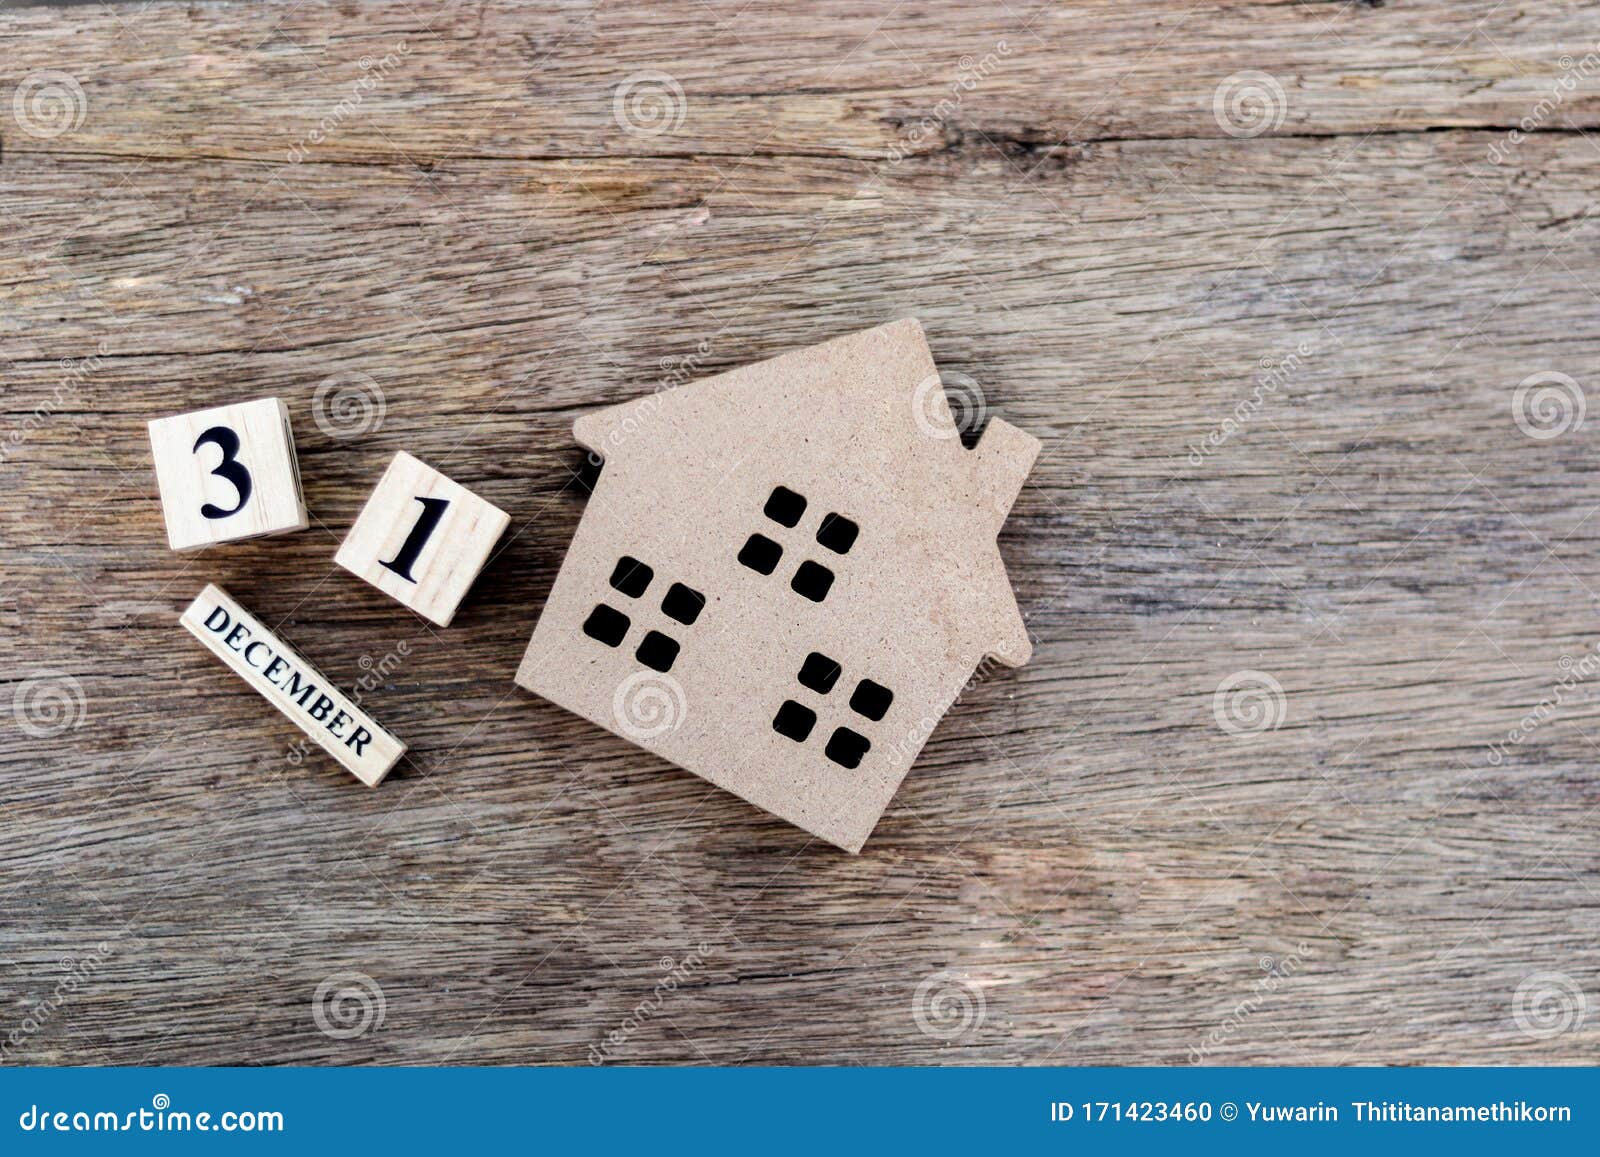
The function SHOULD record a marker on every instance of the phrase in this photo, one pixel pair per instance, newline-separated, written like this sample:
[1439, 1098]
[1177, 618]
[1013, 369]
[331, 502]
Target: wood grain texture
[1277, 377]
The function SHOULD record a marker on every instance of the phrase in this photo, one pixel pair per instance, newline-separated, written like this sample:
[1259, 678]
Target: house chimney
[1004, 456]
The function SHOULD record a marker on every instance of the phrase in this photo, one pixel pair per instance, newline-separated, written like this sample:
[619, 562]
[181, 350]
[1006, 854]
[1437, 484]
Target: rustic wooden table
[1303, 769]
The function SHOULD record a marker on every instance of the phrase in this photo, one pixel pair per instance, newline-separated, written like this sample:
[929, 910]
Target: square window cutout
[794, 720]
[784, 506]
[812, 580]
[871, 699]
[846, 747]
[837, 533]
[607, 625]
[631, 576]
[683, 603]
[657, 652]
[760, 554]
[819, 673]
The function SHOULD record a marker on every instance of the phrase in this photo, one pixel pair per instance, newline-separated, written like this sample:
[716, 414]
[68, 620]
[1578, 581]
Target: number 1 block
[421, 538]
[227, 473]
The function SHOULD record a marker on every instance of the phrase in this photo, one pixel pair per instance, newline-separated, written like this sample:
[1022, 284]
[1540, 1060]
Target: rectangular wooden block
[227, 473]
[292, 685]
[422, 538]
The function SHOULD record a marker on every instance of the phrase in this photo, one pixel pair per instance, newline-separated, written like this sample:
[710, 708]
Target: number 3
[230, 469]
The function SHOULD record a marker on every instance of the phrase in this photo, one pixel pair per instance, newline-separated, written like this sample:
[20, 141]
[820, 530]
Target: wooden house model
[786, 574]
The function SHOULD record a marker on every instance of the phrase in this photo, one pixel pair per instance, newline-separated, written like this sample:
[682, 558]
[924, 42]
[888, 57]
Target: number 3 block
[421, 538]
[227, 473]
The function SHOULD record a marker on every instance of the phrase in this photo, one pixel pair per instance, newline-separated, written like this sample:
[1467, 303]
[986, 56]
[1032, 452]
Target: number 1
[432, 511]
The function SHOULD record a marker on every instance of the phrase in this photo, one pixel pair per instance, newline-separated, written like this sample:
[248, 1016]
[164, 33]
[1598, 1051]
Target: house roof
[862, 423]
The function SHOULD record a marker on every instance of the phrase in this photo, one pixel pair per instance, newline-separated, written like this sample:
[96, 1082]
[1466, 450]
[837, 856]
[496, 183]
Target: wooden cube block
[292, 685]
[227, 473]
[421, 538]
